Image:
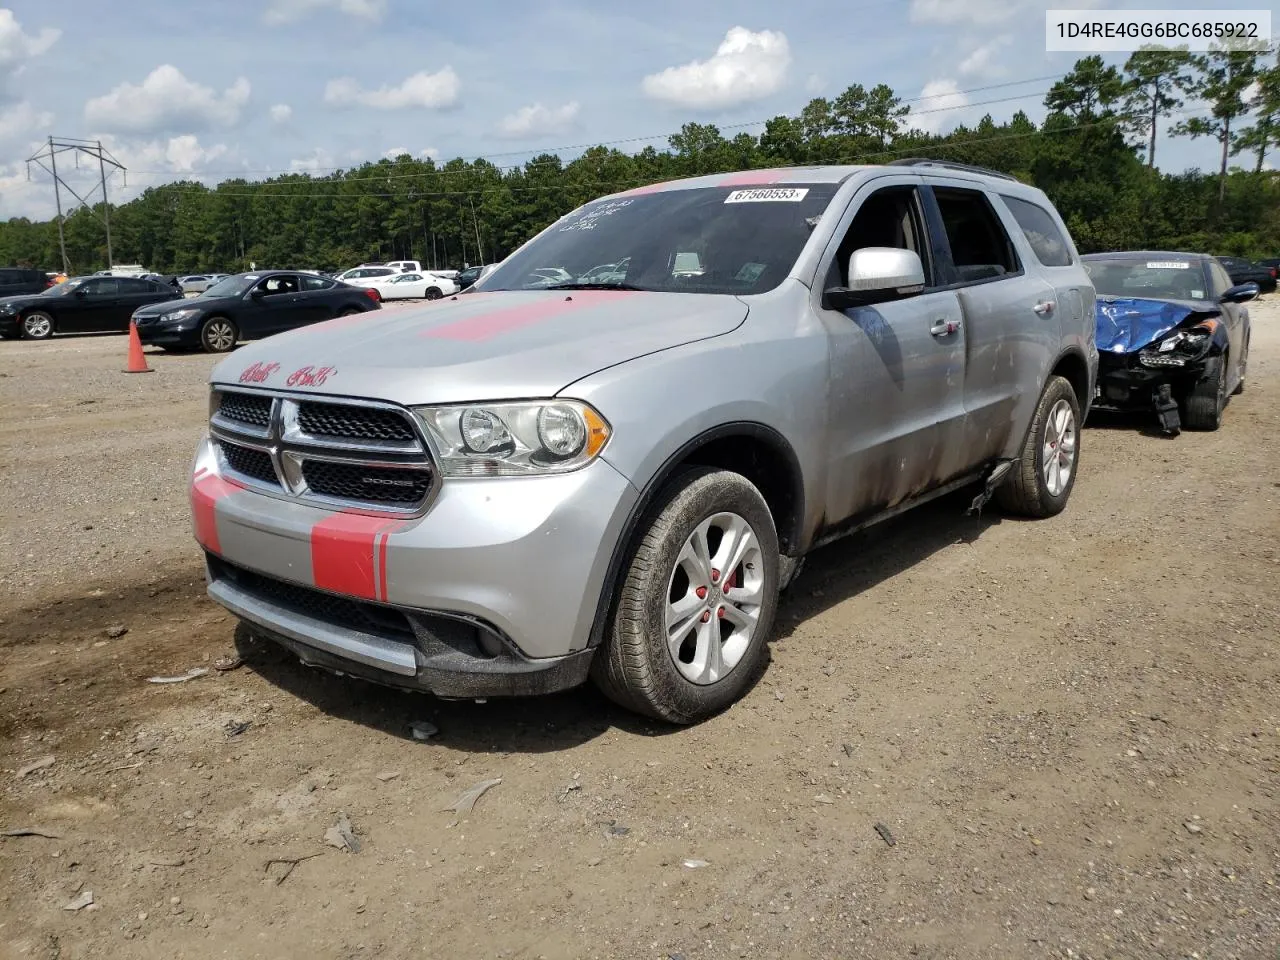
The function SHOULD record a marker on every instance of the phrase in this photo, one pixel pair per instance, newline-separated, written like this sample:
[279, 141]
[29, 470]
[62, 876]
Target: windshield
[231, 286]
[64, 288]
[1148, 279]
[706, 240]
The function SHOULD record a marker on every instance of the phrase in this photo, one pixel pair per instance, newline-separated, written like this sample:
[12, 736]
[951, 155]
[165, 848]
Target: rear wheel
[696, 603]
[1205, 402]
[433, 293]
[1046, 472]
[349, 312]
[218, 335]
[37, 326]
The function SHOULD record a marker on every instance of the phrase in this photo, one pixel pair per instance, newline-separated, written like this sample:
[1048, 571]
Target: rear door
[318, 297]
[1010, 316]
[897, 368]
[92, 307]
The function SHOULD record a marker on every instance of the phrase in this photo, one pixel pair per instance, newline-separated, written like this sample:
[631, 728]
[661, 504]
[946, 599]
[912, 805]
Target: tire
[635, 666]
[349, 312]
[1244, 366]
[433, 293]
[37, 326]
[1206, 400]
[1054, 438]
[218, 335]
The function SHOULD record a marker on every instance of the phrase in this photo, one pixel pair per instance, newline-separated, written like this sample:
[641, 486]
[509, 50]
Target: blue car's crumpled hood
[1126, 324]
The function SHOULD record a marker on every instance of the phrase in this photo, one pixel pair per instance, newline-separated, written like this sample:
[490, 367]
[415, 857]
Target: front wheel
[1046, 471]
[37, 326]
[1206, 400]
[696, 603]
[218, 335]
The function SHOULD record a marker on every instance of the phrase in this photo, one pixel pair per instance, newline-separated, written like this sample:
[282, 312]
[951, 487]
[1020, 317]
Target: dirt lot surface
[1069, 729]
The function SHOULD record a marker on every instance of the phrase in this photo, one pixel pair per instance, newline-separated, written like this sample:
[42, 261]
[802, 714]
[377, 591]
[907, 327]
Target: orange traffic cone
[137, 359]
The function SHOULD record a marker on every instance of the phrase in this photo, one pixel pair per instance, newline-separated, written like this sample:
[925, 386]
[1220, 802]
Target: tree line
[1094, 155]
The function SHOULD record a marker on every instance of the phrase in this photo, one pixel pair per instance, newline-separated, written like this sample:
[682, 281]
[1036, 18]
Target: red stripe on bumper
[348, 554]
[490, 325]
[206, 490]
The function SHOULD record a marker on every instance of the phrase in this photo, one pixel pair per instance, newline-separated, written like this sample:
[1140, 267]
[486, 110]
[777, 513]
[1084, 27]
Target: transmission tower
[94, 150]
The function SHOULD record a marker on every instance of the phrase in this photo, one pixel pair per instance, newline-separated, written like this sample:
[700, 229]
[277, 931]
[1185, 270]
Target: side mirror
[82, 293]
[877, 275]
[257, 293]
[1240, 293]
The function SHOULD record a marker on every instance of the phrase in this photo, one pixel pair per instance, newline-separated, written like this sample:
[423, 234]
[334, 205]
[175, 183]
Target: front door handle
[1044, 307]
[944, 327]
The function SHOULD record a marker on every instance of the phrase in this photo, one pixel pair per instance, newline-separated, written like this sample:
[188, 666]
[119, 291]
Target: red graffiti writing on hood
[259, 372]
[310, 376]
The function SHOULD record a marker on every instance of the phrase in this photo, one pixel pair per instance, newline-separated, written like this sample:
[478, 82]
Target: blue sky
[216, 90]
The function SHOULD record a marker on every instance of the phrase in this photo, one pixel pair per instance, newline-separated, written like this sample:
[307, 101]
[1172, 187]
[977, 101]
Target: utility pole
[57, 202]
[479, 246]
[94, 150]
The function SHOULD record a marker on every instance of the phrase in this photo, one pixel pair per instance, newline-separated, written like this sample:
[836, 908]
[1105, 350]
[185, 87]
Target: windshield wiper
[591, 286]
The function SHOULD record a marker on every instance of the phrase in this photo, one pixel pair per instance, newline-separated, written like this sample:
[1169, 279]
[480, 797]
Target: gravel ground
[1069, 729]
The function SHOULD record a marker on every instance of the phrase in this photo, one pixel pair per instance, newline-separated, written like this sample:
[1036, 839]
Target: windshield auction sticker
[1169, 265]
[768, 195]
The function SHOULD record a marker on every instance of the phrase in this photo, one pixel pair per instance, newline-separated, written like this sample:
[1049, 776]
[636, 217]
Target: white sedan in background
[410, 286]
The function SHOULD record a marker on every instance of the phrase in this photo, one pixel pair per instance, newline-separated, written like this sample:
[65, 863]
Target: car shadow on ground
[559, 721]
[1142, 422]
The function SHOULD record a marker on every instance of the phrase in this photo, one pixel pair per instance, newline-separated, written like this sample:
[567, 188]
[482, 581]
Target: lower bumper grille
[359, 482]
[250, 462]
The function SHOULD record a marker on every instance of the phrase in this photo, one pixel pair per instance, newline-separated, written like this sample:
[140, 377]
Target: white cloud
[984, 61]
[23, 119]
[395, 152]
[430, 153]
[165, 100]
[321, 160]
[746, 66]
[434, 91]
[937, 107]
[286, 11]
[536, 120]
[17, 46]
[281, 112]
[815, 84]
[980, 13]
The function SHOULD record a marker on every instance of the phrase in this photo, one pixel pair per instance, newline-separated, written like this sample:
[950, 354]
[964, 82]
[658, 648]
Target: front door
[897, 375]
[92, 307]
[277, 306]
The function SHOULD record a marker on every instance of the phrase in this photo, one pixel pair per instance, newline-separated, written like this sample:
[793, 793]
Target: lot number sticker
[768, 195]
[1168, 265]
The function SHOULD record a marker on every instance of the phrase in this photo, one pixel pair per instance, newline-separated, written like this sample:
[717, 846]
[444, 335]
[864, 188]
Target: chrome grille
[246, 408]
[353, 423]
[250, 462]
[345, 453]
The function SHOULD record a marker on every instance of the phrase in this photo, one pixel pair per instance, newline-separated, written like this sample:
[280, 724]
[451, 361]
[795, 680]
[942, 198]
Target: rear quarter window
[1046, 240]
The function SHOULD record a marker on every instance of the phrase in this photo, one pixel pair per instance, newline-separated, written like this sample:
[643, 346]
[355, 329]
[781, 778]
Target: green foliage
[1084, 157]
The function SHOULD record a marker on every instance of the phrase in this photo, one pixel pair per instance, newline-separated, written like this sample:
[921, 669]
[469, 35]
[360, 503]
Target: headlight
[186, 314]
[515, 439]
[7, 308]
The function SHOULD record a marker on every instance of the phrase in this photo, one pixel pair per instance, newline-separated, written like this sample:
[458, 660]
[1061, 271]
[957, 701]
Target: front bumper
[10, 325]
[186, 334]
[1125, 383]
[493, 591]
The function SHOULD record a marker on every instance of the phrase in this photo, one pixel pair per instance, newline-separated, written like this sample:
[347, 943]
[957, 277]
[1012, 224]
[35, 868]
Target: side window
[980, 249]
[129, 285]
[273, 286]
[1046, 240]
[101, 287]
[316, 283]
[888, 218]
[1221, 279]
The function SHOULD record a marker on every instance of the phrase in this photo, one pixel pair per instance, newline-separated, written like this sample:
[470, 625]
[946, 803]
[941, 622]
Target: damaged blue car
[1173, 336]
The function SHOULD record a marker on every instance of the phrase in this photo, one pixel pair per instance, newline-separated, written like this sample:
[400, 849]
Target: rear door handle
[944, 327]
[1044, 307]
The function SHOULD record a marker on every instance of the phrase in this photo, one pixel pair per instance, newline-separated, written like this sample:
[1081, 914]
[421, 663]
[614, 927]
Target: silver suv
[537, 482]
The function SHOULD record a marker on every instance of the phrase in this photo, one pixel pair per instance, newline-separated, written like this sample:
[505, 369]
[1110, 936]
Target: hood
[483, 346]
[167, 306]
[1126, 324]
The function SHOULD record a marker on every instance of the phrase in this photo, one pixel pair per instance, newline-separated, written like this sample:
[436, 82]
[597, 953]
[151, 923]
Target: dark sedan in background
[81, 305]
[248, 306]
[1242, 271]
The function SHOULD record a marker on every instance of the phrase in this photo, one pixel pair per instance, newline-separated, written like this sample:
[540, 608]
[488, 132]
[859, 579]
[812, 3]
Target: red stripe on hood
[486, 326]
[749, 178]
[344, 547]
[206, 490]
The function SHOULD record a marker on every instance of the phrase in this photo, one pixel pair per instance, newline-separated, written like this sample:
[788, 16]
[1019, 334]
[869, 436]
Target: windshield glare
[1153, 279]
[706, 240]
[230, 287]
[62, 289]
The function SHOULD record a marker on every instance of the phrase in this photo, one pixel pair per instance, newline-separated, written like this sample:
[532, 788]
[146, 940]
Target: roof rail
[948, 165]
